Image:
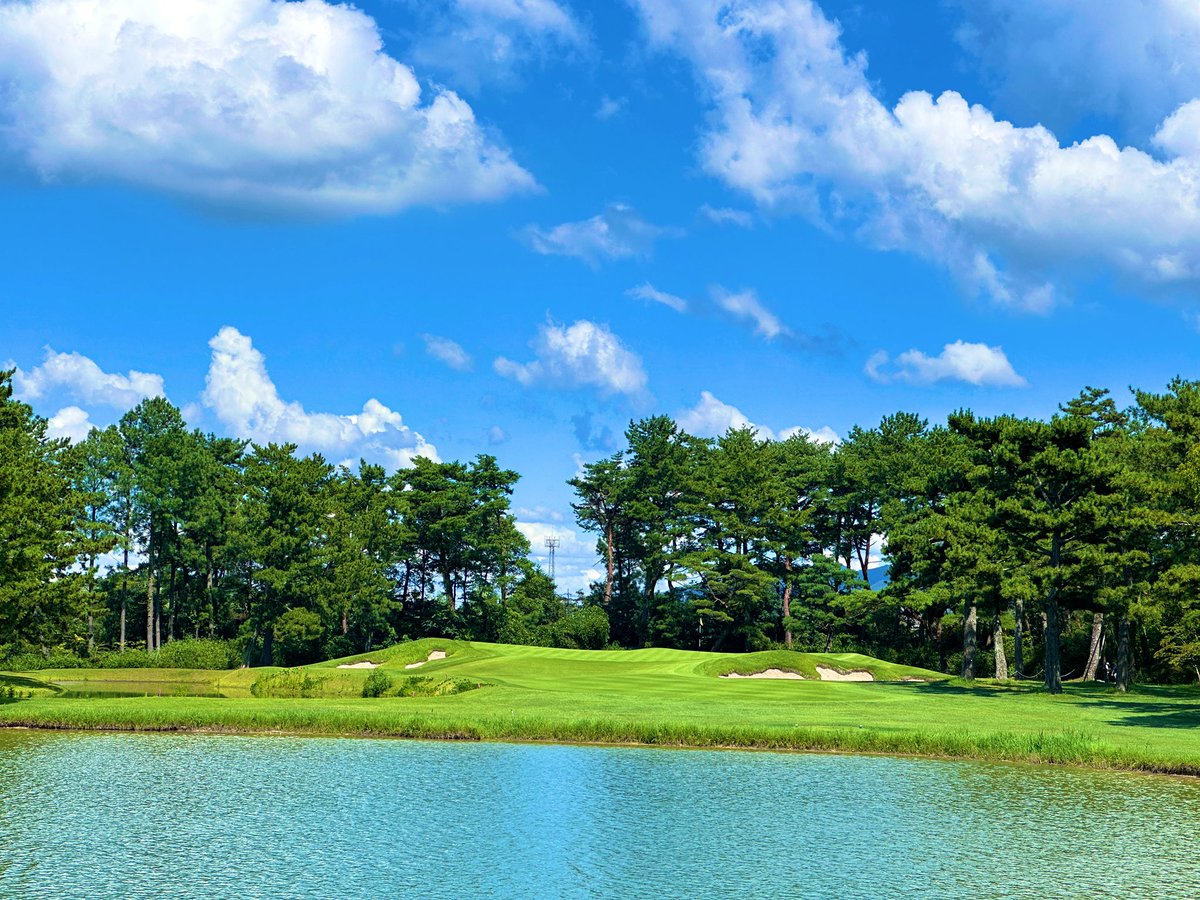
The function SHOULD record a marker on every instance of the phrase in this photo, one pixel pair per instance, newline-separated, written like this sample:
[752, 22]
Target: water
[125, 816]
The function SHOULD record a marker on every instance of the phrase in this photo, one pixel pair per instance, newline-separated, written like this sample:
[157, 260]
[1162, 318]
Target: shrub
[377, 684]
[198, 654]
[31, 662]
[582, 629]
[291, 683]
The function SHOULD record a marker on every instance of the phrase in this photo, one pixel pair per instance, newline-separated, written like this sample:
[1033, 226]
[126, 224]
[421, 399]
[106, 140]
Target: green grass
[659, 697]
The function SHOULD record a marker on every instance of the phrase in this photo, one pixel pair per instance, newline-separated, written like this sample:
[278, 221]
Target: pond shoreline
[1064, 751]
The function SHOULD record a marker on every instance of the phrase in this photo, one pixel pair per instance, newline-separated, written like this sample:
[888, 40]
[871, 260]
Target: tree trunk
[787, 603]
[941, 645]
[970, 641]
[608, 581]
[1018, 638]
[448, 587]
[998, 648]
[172, 600]
[1093, 660]
[124, 597]
[1124, 675]
[265, 657]
[1053, 659]
[212, 600]
[150, 595]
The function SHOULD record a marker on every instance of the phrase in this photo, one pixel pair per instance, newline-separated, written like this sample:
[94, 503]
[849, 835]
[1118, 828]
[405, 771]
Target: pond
[127, 815]
[110, 689]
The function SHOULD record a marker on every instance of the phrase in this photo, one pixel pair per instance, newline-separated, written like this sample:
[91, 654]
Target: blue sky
[510, 226]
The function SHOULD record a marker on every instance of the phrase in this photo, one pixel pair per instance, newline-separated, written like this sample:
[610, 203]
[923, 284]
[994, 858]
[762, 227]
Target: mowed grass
[661, 697]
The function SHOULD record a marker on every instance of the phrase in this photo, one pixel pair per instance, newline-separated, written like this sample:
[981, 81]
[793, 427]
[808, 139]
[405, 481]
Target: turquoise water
[126, 815]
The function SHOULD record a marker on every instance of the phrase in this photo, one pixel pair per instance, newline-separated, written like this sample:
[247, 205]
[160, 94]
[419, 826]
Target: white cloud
[746, 305]
[712, 417]
[576, 562]
[583, 353]
[244, 398]
[650, 293]
[822, 435]
[258, 105]
[1060, 62]
[617, 233]
[484, 43]
[609, 107]
[976, 364]
[83, 380]
[448, 351]
[1007, 209]
[726, 216]
[496, 435]
[70, 422]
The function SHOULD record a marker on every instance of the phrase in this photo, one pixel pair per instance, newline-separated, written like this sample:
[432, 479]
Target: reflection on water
[123, 815]
[72, 689]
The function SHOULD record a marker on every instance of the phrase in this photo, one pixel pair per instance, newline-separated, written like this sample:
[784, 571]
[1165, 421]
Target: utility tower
[552, 545]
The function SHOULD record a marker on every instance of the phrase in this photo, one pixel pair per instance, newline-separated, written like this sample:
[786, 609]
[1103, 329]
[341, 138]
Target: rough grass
[668, 698]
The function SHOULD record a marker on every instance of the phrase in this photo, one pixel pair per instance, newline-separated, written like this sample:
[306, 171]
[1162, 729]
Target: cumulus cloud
[745, 305]
[976, 364]
[1007, 209]
[265, 106]
[448, 351]
[243, 397]
[70, 422]
[712, 417]
[496, 435]
[651, 294]
[617, 233]
[583, 353]
[82, 379]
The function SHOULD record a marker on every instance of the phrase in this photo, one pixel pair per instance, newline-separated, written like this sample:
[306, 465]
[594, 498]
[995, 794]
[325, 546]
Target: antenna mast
[552, 545]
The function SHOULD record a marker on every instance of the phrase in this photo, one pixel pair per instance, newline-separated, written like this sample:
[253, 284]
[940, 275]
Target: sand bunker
[768, 673]
[365, 664]
[433, 654]
[828, 674]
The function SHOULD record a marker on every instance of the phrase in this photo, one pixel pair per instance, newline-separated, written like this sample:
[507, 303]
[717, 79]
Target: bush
[291, 683]
[377, 684]
[185, 654]
[198, 654]
[31, 662]
[582, 629]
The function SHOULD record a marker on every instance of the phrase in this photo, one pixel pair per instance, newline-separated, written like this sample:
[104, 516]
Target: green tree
[41, 598]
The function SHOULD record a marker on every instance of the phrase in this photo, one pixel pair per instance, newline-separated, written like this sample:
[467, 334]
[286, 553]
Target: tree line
[1013, 547]
[147, 532]
[1002, 546]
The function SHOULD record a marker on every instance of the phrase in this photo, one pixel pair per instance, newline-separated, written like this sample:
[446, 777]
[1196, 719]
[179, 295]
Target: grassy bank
[653, 697]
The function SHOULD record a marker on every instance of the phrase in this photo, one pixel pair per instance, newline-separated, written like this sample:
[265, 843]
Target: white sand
[360, 665]
[433, 654]
[768, 673]
[828, 674]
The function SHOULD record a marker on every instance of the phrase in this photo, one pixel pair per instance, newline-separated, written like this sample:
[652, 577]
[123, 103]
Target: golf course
[457, 690]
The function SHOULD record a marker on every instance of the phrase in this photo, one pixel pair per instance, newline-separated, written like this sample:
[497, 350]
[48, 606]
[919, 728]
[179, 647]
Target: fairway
[653, 696]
